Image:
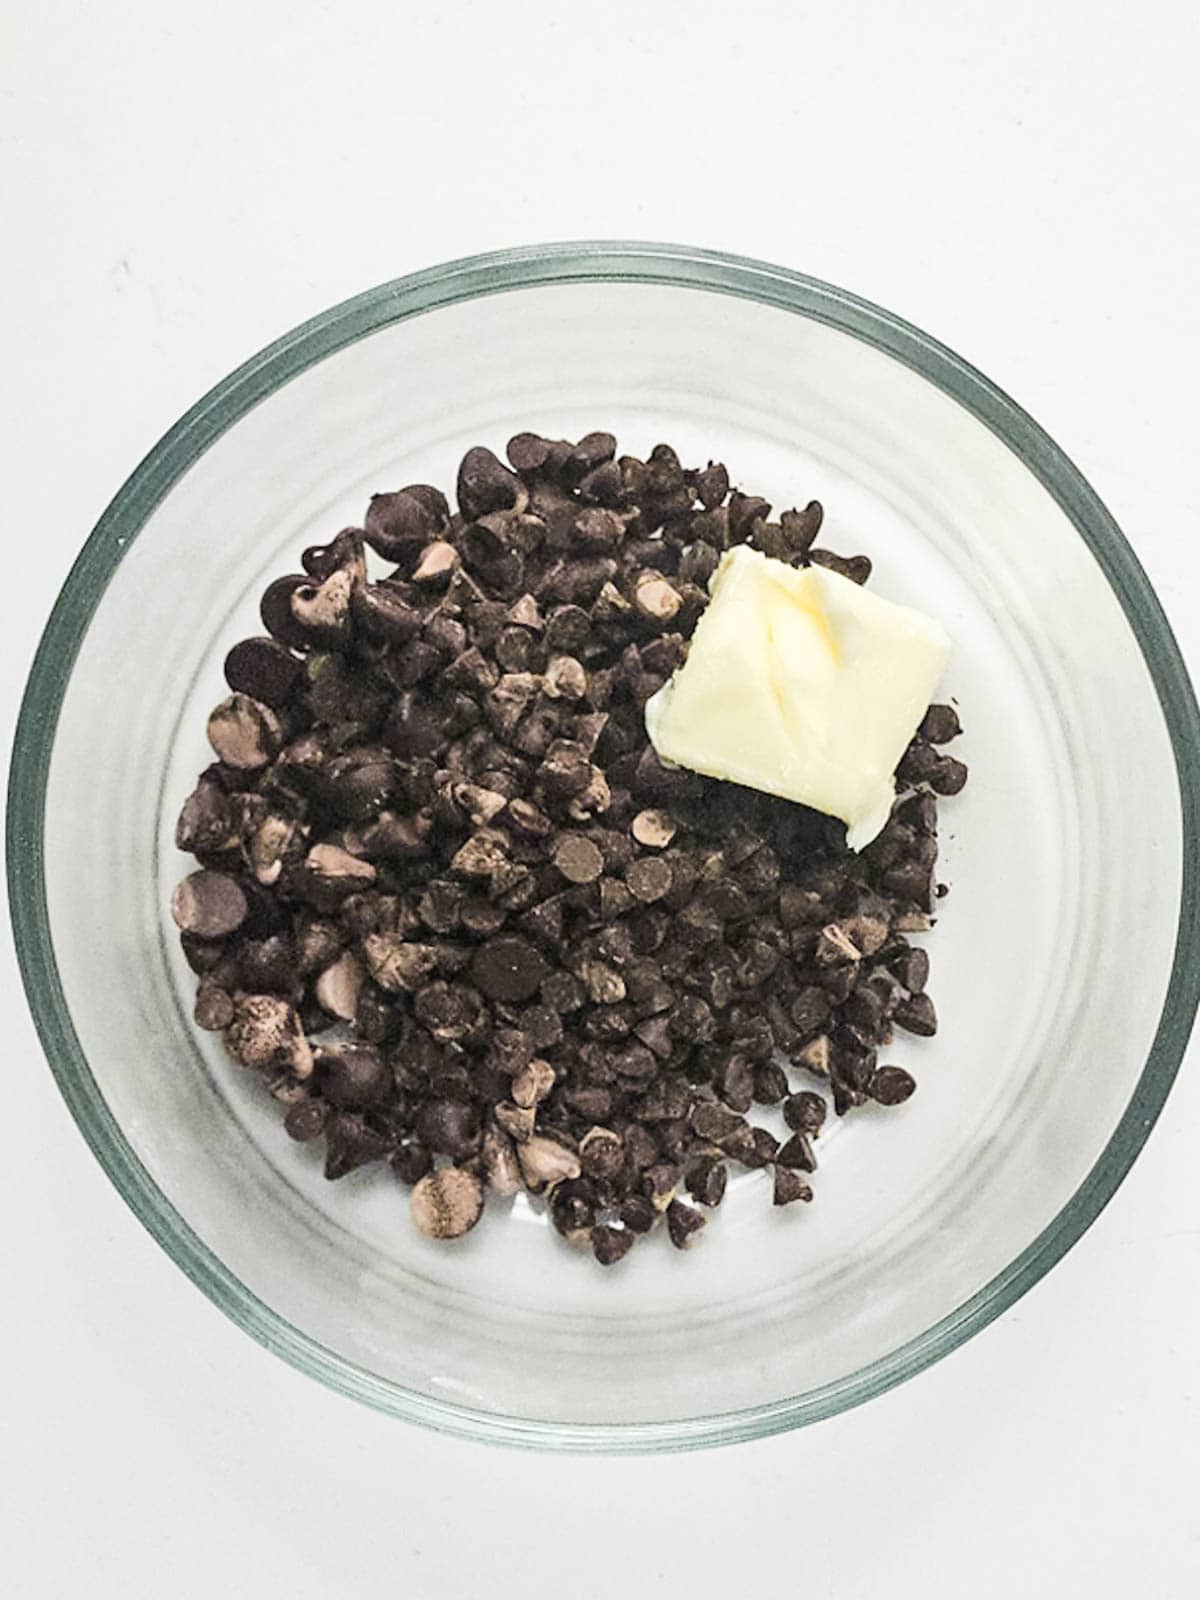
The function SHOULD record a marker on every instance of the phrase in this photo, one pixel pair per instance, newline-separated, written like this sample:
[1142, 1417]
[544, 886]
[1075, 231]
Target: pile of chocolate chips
[458, 915]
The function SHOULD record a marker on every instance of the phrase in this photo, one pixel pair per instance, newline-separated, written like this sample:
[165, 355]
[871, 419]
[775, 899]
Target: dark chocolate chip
[948, 777]
[350, 1142]
[790, 1185]
[400, 525]
[804, 1112]
[684, 1223]
[890, 1086]
[917, 1015]
[940, 724]
[263, 670]
[209, 905]
[798, 1152]
[449, 1127]
[610, 1244]
[305, 1120]
[486, 485]
[354, 1077]
[508, 968]
[276, 612]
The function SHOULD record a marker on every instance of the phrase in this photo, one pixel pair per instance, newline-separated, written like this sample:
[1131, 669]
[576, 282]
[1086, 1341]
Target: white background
[182, 183]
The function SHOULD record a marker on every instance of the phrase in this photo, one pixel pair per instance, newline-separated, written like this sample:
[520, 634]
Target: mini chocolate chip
[338, 987]
[568, 630]
[601, 1152]
[213, 1009]
[544, 922]
[245, 733]
[334, 873]
[572, 1209]
[209, 905]
[712, 484]
[508, 968]
[856, 568]
[305, 1120]
[533, 1083]
[734, 1081]
[354, 1077]
[592, 451]
[691, 1020]
[265, 1033]
[917, 1015]
[649, 878]
[744, 510]
[530, 453]
[790, 1185]
[563, 991]
[890, 1086]
[835, 946]
[544, 1161]
[382, 615]
[798, 1152]
[435, 565]
[684, 1223]
[918, 762]
[654, 829]
[411, 1161]
[770, 1083]
[449, 1127]
[655, 598]
[815, 1056]
[208, 820]
[913, 882]
[800, 528]
[564, 679]
[451, 1012]
[344, 551]
[804, 1112]
[263, 670]
[517, 1121]
[397, 965]
[716, 1122]
[565, 771]
[323, 610]
[350, 1143]
[919, 812]
[603, 485]
[864, 1009]
[500, 1163]
[268, 965]
[609, 1244]
[637, 1213]
[940, 724]
[577, 858]
[911, 967]
[447, 1203]
[275, 609]
[485, 485]
[706, 1180]
[399, 525]
[948, 777]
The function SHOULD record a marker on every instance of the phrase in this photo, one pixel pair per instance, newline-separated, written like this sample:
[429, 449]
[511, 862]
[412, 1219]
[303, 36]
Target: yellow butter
[802, 684]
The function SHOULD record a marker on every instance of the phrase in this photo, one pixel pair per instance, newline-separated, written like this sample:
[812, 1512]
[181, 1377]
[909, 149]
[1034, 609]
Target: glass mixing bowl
[1065, 965]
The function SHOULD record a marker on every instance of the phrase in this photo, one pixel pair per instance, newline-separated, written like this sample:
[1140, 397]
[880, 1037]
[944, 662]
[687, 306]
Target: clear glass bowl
[1065, 967]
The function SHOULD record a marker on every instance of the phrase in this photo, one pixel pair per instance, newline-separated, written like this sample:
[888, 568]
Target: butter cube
[801, 684]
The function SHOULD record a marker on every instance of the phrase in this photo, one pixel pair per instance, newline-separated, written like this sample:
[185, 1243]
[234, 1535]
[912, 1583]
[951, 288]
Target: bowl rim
[469, 278]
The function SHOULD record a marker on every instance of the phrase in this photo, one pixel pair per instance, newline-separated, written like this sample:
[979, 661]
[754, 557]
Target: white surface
[178, 186]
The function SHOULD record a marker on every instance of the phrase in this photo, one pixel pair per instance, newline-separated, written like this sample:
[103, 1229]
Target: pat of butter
[802, 684]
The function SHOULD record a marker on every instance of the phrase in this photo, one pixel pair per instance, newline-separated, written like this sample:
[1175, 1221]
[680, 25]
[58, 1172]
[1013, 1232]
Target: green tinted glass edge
[677, 266]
